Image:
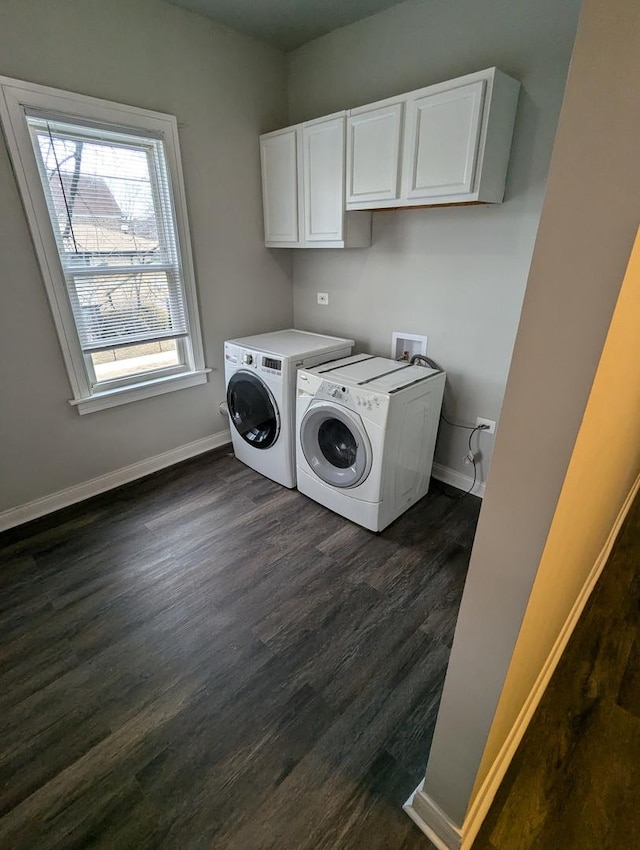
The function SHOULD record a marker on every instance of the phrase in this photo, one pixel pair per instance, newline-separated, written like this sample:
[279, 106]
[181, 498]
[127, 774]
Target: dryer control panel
[271, 364]
[253, 361]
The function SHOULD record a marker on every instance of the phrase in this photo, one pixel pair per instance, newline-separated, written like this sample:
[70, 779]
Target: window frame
[15, 97]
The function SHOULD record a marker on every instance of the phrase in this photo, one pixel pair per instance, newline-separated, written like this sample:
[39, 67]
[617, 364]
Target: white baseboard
[457, 479]
[487, 791]
[71, 495]
[431, 820]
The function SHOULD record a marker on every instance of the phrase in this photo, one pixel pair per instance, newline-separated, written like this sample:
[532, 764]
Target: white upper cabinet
[303, 188]
[374, 136]
[450, 144]
[280, 187]
[445, 144]
[323, 157]
[442, 142]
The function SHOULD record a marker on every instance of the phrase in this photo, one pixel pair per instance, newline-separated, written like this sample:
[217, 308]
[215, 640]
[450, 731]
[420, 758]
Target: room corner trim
[431, 820]
[95, 486]
[457, 479]
[487, 791]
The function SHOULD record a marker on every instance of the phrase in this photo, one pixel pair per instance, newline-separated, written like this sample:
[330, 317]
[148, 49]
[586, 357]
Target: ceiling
[286, 24]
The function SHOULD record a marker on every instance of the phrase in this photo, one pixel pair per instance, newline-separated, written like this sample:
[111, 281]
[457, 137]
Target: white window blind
[108, 194]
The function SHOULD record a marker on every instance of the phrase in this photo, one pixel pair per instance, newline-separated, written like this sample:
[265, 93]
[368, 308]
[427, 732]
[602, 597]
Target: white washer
[366, 430]
[260, 375]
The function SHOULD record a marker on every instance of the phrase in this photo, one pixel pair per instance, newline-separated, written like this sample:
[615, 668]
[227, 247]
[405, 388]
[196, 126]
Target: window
[102, 188]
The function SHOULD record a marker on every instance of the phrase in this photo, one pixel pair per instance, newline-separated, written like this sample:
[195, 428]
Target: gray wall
[224, 89]
[458, 274]
[587, 229]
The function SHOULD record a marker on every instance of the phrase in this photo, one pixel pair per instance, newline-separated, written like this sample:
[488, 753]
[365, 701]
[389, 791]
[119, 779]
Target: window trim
[15, 96]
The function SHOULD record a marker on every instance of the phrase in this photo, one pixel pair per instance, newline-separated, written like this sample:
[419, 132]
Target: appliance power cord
[426, 361]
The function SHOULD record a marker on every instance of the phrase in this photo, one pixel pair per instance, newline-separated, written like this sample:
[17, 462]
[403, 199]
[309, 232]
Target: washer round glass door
[335, 445]
[253, 410]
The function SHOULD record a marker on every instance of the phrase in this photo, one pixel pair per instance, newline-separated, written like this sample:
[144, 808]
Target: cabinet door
[323, 155]
[442, 142]
[280, 190]
[373, 154]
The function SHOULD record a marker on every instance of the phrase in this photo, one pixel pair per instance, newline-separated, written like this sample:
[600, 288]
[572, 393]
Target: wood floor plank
[329, 778]
[27, 667]
[248, 758]
[573, 783]
[206, 659]
[104, 765]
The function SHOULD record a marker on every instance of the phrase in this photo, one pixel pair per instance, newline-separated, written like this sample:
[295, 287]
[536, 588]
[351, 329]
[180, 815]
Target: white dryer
[366, 430]
[260, 375]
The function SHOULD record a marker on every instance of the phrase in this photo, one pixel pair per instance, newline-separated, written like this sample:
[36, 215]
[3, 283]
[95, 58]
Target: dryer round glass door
[335, 445]
[253, 410]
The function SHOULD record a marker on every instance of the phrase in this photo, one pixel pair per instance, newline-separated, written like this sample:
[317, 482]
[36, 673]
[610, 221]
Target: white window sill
[135, 392]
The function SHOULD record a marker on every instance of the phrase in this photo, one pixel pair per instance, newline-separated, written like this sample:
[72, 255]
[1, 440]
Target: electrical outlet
[492, 425]
[323, 298]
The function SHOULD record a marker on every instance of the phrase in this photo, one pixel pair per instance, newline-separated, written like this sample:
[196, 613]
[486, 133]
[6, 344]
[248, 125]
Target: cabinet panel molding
[442, 142]
[442, 145]
[323, 156]
[455, 150]
[280, 186]
[374, 139]
[303, 188]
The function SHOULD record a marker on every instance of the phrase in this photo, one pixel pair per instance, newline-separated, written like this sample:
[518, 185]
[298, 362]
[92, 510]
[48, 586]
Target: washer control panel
[368, 402]
[372, 406]
[352, 397]
[336, 391]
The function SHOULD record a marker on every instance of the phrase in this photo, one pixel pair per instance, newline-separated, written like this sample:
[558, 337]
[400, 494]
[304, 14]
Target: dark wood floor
[574, 783]
[203, 659]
